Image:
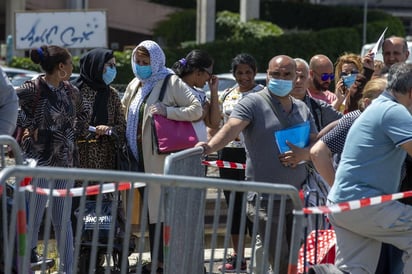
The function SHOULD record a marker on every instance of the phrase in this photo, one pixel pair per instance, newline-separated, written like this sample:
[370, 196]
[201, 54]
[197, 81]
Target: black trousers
[237, 155]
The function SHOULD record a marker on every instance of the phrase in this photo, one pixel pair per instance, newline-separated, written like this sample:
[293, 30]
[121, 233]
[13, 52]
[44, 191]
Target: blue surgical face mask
[280, 87]
[143, 72]
[109, 75]
[349, 80]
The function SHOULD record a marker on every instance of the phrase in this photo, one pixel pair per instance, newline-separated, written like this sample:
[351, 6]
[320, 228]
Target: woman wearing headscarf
[105, 113]
[141, 101]
[97, 72]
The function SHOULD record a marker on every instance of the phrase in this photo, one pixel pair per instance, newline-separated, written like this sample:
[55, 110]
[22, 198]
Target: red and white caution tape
[78, 191]
[224, 164]
[352, 205]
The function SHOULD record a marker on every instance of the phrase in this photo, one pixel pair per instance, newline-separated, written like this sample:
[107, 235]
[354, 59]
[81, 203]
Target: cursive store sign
[70, 29]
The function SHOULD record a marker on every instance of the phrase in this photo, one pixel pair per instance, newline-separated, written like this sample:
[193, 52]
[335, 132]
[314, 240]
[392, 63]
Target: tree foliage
[229, 27]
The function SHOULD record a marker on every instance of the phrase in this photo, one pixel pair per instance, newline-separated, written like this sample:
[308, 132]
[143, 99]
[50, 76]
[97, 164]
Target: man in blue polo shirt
[370, 166]
[9, 104]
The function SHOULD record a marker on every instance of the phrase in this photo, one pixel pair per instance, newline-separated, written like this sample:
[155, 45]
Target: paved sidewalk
[217, 259]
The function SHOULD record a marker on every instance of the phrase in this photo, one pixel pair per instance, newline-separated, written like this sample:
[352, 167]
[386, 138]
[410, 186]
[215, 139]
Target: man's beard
[319, 86]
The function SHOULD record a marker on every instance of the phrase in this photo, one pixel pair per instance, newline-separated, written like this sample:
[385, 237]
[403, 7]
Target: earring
[64, 76]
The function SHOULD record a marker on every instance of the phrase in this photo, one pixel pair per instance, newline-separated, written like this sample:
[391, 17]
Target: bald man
[394, 50]
[320, 77]
[256, 118]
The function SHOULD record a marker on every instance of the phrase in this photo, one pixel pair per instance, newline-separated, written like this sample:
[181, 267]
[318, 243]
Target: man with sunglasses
[321, 75]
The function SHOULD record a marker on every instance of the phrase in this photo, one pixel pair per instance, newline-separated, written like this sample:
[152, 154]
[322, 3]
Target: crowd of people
[360, 132]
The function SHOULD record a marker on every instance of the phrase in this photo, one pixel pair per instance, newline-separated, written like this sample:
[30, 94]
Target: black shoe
[147, 269]
[36, 261]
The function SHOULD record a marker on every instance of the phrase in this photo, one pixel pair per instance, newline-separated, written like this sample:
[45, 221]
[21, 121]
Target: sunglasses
[208, 71]
[349, 73]
[326, 76]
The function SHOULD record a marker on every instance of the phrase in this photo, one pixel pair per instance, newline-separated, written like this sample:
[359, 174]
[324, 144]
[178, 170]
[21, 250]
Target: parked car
[12, 72]
[227, 80]
[74, 76]
[19, 79]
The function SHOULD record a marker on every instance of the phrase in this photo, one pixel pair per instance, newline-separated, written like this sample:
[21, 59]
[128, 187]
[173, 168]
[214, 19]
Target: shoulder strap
[281, 119]
[226, 93]
[318, 112]
[163, 88]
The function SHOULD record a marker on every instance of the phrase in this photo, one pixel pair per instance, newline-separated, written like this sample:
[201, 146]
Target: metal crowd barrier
[185, 191]
[8, 217]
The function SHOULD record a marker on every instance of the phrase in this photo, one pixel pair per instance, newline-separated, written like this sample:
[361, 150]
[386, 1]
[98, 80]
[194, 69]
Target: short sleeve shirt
[262, 162]
[326, 96]
[229, 99]
[335, 139]
[372, 157]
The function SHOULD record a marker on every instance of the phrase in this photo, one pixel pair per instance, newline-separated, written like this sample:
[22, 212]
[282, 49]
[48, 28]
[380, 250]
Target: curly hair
[347, 58]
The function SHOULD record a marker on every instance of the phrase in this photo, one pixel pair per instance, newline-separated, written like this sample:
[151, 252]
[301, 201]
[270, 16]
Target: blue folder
[297, 135]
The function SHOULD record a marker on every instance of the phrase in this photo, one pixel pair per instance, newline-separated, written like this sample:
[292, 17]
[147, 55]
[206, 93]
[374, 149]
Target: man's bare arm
[232, 128]
[322, 160]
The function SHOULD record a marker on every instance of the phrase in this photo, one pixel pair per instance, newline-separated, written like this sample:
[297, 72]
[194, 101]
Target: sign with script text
[69, 29]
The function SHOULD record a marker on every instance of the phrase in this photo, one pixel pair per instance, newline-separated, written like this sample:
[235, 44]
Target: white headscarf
[157, 63]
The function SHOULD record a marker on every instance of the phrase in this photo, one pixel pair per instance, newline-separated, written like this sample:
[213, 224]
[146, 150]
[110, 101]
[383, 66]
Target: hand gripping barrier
[183, 203]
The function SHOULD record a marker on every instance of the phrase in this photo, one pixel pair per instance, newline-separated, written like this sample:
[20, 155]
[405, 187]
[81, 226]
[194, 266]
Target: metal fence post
[184, 218]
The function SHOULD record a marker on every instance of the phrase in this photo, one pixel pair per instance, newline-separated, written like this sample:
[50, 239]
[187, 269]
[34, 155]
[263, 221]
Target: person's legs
[36, 206]
[261, 247]
[259, 265]
[238, 211]
[286, 236]
[366, 228]
[62, 224]
[354, 253]
[390, 260]
[152, 235]
[236, 155]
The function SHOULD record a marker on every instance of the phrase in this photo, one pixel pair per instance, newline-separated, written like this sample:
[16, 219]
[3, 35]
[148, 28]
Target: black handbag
[125, 159]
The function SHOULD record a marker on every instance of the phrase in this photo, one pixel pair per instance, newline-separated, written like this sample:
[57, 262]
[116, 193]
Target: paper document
[379, 43]
[297, 135]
